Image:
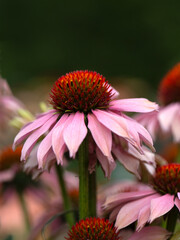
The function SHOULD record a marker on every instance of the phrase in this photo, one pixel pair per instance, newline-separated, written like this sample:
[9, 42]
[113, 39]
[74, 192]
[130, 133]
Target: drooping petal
[177, 203]
[178, 194]
[151, 233]
[57, 136]
[101, 135]
[143, 217]
[28, 128]
[75, 133]
[124, 218]
[43, 149]
[133, 105]
[128, 161]
[161, 205]
[124, 197]
[166, 116]
[32, 139]
[176, 127]
[115, 123]
[143, 133]
[107, 166]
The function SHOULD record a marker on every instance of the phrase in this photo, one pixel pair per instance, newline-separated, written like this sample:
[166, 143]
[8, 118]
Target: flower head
[92, 229]
[167, 179]
[168, 118]
[145, 204]
[169, 89]
[81, 91]
[83, 102]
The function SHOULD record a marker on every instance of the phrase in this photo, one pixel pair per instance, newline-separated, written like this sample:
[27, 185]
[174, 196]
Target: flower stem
[92, 194]
[25, 210]
[83, 180]
[171, 219]
[66, 200]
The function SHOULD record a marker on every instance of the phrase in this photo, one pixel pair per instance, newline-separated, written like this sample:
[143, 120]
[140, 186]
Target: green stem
[171, 219]
[66, 200]
[92, 194]
[25, 210]
[83, 180]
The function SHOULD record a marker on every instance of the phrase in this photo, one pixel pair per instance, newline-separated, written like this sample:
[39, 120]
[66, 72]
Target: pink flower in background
[84, 101]
[144, 203]
[9, 105]
[149, 233]
[167, 120]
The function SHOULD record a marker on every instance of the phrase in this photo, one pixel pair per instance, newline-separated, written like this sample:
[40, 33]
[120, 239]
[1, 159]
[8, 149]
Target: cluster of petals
[9, 105]
[166, 121]
[141, 203]
[67, 131]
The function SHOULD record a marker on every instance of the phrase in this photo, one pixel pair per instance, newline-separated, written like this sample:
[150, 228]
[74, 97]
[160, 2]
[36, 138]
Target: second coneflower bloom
[167, 120]
[83, 101]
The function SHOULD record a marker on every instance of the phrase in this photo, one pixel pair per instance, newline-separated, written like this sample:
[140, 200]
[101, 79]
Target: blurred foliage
[116, 38]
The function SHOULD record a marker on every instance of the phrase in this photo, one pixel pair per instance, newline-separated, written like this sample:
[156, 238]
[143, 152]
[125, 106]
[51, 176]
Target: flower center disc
[93, 229]
[169, 88]
[8, 157]
[80, 91]
[167, 179]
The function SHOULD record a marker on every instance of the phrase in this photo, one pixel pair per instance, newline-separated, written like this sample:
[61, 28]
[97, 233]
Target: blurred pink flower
[83, 101]
[150, 233]
[167, 120]
[9, 105]
[143, 203]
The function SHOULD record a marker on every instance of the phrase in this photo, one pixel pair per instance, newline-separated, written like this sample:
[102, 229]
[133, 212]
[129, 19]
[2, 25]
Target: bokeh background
[120, 39]
[133, 43]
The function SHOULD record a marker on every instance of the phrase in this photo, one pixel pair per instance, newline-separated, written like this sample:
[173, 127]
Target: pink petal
[114, 213]
[114, 122]
[128, 161]
[151, 233]
[43, 148]
[133, 105]
[57, 136]
[147, 155]
[124, 197]
[107, 166]
[28, 128]
[143, 133]
[178, 195]
[161, 205]
[176, 127]
[32, 139]
[166, 116]
[177, 203]
[129, 212]
[75, 133]
[7, 175]
[143, 217]
[101, 135]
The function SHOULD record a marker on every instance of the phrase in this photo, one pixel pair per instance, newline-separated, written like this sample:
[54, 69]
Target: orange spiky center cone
[81, 91]
[169, 89]
[93, 229]
[167, 179]
[8, 157]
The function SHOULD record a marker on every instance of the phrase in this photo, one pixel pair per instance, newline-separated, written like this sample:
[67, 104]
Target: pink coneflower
[83, 102]
[168, 118]
[144, 205]
[9, 105]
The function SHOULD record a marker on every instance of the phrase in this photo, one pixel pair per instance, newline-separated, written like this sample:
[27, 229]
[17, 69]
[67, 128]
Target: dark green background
[116, 38]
